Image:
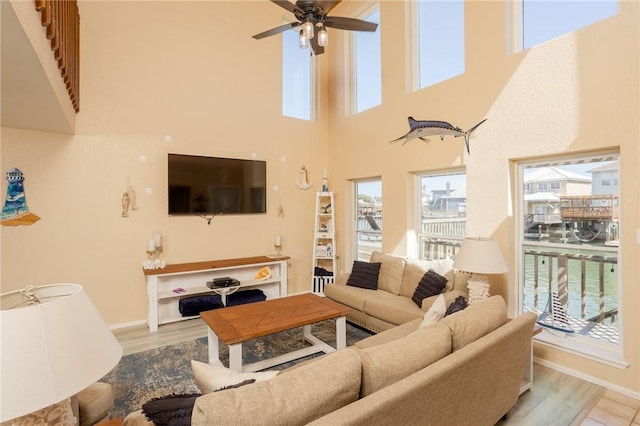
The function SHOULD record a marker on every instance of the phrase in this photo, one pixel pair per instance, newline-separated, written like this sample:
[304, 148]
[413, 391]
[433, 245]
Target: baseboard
[127, 324]
[586, 377]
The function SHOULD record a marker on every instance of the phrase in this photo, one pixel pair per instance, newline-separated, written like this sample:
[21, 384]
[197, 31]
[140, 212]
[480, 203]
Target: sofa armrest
[341, 279]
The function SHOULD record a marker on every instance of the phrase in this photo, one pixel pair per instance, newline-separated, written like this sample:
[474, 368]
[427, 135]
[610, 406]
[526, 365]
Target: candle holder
[277, 244]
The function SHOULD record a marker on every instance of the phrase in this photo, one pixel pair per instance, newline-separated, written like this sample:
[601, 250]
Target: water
[592, 284]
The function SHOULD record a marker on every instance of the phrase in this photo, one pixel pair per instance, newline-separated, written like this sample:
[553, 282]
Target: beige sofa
[465, 370]
[391, 305]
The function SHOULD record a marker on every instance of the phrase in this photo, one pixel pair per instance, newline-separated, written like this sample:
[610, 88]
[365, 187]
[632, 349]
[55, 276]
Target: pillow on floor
[211, 378]
[431, 284]
[364, 275]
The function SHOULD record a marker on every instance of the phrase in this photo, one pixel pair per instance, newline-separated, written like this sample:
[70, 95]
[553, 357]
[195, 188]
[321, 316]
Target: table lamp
[479, 256]
[54, 344]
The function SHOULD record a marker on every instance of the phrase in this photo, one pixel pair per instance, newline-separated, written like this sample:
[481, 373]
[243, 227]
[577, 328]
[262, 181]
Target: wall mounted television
[199, 185]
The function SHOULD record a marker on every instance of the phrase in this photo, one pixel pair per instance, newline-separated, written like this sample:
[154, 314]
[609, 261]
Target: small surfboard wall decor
[15, 211]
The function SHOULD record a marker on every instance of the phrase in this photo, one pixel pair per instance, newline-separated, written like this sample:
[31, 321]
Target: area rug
[166, 370]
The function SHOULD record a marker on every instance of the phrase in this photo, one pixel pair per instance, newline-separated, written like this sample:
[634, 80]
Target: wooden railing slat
[62, 22]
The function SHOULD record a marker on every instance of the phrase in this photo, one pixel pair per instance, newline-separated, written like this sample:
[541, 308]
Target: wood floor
[555, 399]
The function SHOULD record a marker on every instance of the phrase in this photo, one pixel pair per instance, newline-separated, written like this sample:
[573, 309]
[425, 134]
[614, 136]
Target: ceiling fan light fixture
[303, 41]
[323, 37]
[307, 29]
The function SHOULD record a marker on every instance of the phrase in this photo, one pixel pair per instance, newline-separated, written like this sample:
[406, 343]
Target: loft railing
[62, 22]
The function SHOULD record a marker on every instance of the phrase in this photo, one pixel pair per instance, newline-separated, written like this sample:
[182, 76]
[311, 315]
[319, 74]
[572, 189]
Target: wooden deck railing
[62, 22]
[436, 247]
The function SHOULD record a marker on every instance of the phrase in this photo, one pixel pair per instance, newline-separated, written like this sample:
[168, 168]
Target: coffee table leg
[212, 343]
[341, 332]
[235, 357]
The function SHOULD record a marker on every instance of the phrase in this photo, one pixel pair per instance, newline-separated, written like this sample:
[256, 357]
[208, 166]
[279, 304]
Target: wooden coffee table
[238, 324]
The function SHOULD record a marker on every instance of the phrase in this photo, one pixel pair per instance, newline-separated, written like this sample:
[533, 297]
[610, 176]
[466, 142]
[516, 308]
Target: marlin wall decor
[419, 129]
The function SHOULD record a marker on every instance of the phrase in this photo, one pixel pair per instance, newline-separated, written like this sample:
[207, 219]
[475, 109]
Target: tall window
[368, 216]
[545, 19]
[367, 66]
[569, 250]
[440, 40]
[443, 214]
[297, 77]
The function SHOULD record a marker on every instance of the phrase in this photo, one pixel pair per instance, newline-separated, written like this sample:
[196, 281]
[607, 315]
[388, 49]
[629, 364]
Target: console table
[162, 299]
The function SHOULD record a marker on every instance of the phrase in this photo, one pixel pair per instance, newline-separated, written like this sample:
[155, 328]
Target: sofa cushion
[353, 297]
[391, 271]
[364, 275]
[391, 308]
[475, 321]
[431, 284]
[309, 392]
[389, 335]
[210, 378]
[414, 270]
[385, 364]
[460, 279]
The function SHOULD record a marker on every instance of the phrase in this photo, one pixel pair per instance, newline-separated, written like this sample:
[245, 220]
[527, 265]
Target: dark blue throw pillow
[170, 410]
[364, 275]
[459, 304]
[431, 284]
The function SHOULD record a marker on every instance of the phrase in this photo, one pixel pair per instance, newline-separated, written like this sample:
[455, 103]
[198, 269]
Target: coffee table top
[243, 322]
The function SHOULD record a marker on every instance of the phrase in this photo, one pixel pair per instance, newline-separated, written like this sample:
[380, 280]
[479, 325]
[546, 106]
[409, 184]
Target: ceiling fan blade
[276, 30]
[351, 24]
[288, 6]
[327, 5]
[315, 47]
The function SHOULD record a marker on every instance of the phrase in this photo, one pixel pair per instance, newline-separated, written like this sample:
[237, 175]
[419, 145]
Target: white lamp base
[478, 287]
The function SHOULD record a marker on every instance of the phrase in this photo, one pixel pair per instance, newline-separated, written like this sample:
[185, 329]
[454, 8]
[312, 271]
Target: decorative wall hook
[304, 182]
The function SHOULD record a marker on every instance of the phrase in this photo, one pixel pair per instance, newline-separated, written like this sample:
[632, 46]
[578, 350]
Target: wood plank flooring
[555, 399]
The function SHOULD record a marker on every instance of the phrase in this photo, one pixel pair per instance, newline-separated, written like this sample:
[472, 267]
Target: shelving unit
[324, 242]
[192, 278]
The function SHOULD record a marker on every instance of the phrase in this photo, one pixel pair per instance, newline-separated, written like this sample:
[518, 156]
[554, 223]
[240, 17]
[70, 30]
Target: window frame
[312, 80]
[447, 248]
[356, 230]
[585, 347]
[353, 61]
[415, 62]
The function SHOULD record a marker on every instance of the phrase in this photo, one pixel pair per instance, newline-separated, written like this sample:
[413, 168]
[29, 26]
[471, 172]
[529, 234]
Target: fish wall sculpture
[419, 129]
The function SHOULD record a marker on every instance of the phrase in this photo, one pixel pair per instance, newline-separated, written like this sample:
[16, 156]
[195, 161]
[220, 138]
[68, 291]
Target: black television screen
[212, 185]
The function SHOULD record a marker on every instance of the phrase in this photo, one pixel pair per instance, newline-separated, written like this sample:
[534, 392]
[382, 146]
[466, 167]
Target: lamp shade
[481, 256]
[51, 350]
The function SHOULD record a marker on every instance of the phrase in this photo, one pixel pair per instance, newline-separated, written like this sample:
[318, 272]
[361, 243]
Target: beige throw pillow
[210, 378]
[435, 313]
[391, 271]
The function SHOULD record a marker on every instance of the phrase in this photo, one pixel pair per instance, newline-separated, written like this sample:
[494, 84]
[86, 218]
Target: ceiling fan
[312, 14]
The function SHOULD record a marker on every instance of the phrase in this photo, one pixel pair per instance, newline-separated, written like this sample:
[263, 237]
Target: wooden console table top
[237, 324]
[212, 264]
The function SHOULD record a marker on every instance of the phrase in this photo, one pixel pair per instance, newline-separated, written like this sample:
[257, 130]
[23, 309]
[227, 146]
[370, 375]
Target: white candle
[277, 241]
[151, 245]
[158, 239]
[325, 173]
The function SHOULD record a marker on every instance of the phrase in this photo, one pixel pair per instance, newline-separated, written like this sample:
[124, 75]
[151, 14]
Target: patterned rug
[142, 376]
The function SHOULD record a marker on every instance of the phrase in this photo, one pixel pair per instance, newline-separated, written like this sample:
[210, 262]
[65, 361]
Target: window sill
[584, 347]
